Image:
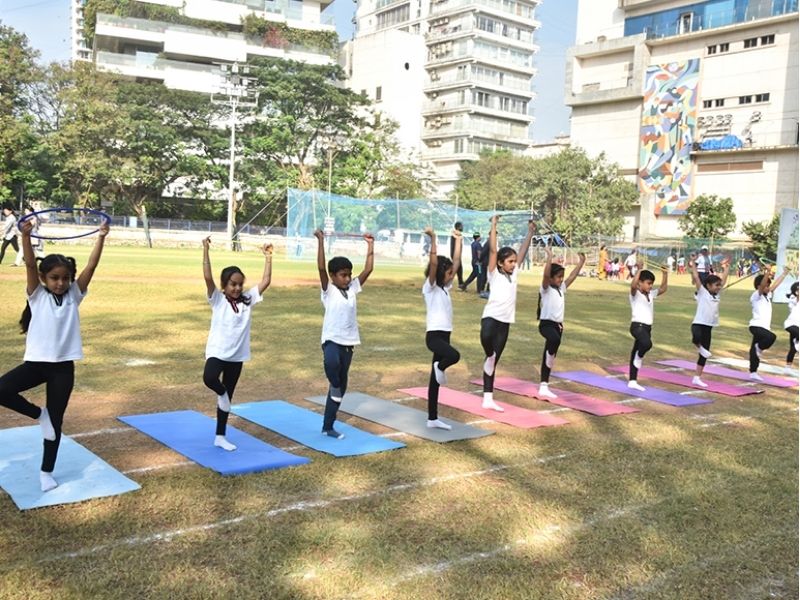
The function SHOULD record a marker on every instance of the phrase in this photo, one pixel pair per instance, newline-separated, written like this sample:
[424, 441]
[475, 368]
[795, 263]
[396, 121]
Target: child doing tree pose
[761, 321]
[707, 315]
[642, 298]
[791, 325]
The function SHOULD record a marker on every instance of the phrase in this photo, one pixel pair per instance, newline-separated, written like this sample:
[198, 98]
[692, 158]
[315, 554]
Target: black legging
[701, 336]
[438, 342]
[6, 243]
[764, 338]
[551, 331]
[230, 372]
[60, 378]
[641, 345]
[336, 361]
[494, 335]
[793, 334]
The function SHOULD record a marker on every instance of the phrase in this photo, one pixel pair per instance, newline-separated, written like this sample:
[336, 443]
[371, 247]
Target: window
[481, 98]
[706, 103]
[378, 93]
[458, 146]
[756, 165]
[685, 23]
[719, 102]
[745, 99]
[751, 43]
[711, 49]
[767, 39]
[762, 97]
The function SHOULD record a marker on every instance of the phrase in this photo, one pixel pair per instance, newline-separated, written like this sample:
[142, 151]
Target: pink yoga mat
[587, 404]
[513, 415]
[723, 372]
[717, 387]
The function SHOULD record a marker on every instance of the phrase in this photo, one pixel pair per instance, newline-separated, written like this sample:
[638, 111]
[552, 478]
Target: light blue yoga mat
[305, 426]
[80, 474]
[192, 434]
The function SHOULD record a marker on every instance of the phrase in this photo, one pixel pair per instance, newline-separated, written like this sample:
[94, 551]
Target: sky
[46, 23]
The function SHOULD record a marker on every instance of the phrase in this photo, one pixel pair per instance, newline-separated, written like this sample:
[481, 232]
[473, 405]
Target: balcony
[521, 87]
[759, 136]
[515, 10]
[525, 39]
[492, 109]
[173, 73]
[496, 131]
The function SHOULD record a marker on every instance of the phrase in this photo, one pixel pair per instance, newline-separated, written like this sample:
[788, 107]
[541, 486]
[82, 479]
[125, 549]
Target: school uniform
[642, 308]
[498, 315]
[551, 324]
[52, 345]
[228, 345]
[760, 324]
[438, 327]
[706, 316]
[792, 325]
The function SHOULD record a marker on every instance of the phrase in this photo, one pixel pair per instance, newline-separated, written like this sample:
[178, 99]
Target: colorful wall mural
[669, 117]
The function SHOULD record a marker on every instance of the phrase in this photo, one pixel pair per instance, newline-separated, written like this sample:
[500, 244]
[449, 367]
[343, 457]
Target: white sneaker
[544, 392]
[488, 365]
[634, 385]
[703, 352]
[699, 382]
[441, 376]
[756, 377]
[437, 424]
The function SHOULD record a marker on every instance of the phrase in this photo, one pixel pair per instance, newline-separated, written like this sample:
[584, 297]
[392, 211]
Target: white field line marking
[184, 463]
[728, 422]
[302, 506]
[111, 430]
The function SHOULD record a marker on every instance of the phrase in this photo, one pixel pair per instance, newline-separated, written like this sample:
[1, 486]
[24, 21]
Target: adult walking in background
[475, 248]
[9, 231]
[459, 227]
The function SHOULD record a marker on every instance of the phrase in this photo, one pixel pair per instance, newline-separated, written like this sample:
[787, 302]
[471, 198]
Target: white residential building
[187, 56]
[475, 74]
[690, 98]
[80, 50]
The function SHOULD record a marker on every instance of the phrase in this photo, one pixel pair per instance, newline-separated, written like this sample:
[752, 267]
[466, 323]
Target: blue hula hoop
[64, 209]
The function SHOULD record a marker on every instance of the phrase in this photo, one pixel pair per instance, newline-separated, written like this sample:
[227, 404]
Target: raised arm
[635, 280]
[368, 264]
[548, 261]
[493, 244]
[207, 275]
[433, 261]
[94, 259]
[31, 272]
[779, 279]
[266, 277]
[693, 270]
[457, 251]
[577, 270]
[526, 244]
[323, 271]
[662, 289]
[726, 267]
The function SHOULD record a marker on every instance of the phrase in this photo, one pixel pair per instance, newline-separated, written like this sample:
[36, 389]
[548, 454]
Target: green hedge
[280, 35]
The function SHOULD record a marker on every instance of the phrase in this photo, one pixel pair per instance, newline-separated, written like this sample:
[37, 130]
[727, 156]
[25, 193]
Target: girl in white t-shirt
[642, 298]
[53, 342]
[761, 321]
[498, 314]
[228, 343]
[551, 314]
[707, 314]
[339, 326]
[436, 290]
[791, 325]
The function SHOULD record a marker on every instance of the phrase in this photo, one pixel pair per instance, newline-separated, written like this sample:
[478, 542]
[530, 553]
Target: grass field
[697, 502]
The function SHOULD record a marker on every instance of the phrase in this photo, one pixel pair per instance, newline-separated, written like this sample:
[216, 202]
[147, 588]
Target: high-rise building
[690, 98]
[80, 49]
[468, 65]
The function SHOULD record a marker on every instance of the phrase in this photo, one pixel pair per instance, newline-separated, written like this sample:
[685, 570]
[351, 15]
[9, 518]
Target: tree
[764, 237]
[708, 216]
[499, 179]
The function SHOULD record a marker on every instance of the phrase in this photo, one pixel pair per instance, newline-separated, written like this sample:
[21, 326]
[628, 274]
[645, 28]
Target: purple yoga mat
[616, 385]
[513, 415]
[780, 382]
[717, 387]
[587, 404]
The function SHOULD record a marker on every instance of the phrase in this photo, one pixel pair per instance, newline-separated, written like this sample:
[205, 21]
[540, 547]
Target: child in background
[228, 345]
[53, 342]
[791, 325]
[339, 326]
[761, 321]
[707, 315]
[642, 299]
[439, 321]
[499, 312]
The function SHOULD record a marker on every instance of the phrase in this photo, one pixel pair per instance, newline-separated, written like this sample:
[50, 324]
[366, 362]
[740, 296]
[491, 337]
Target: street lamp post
[235, 92]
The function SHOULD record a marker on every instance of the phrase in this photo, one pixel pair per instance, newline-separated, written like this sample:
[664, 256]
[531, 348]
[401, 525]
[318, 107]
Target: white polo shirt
[439, 306]
[340, 324]
[642, 307]
[502, 301]
[552, 308]
[793, 320]
[762, 309]
[707, 312]
[229, 337]
[54, 333]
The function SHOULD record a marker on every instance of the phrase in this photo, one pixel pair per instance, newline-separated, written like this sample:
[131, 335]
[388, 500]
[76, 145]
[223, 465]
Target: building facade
[690, 98]
[80, 50]
[474, 60]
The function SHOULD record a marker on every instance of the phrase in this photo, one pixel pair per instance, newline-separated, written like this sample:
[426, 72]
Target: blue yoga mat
[192, 434]
[80, 474]
[305, 426]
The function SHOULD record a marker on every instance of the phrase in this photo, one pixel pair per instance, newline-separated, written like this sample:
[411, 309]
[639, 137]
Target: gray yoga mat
[402, 418]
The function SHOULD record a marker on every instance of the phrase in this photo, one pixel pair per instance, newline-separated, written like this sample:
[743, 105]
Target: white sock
[224, 403]
[756, 377]
[488, 402]
[759, 351]
[637, 361]
[699, 382]
[437, 424]
[703, 352]
[544, 391]
[47, 482]
[488, 364]
[221, 442]
[47, 427]
[441, 377]
[549, 359]
[634, 385]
